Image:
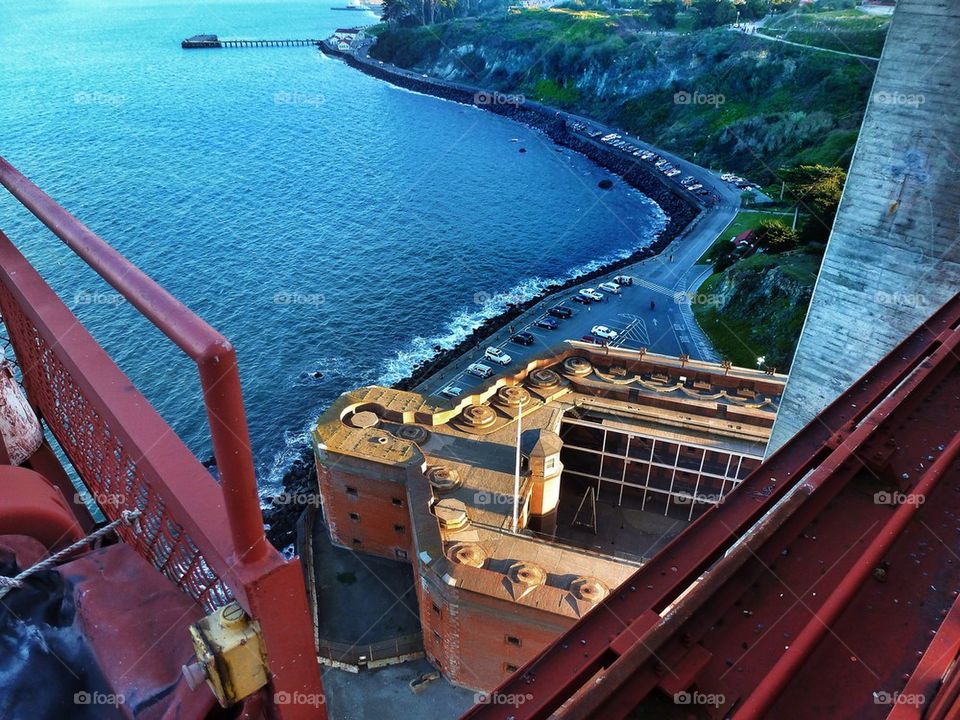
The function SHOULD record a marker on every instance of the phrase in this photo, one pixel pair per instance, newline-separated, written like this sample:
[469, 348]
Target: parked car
[592, 339]
[591, 294]
[672, 173]
[582, 299]
[480, 370]
[602, 331]
[623, 280]
[647, 155]
[560, 312]
[547, 322]
[524, 338]
[610, 287]
[662, 163]
[495, 354]
[694, 187]
[452, 391]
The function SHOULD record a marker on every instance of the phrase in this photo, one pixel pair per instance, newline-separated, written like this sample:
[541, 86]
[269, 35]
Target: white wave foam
[467, 320]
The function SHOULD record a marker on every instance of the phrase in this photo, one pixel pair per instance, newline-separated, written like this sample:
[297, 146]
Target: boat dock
[212, 41]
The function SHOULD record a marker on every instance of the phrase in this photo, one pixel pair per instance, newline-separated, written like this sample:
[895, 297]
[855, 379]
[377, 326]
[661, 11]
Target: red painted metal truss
[206, 538]
[825, 586]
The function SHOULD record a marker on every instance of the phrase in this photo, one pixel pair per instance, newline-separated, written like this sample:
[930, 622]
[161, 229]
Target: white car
[591, 294]
[610, 287]
[452, 391]
[672, 173]
[695, 186]
[602, 331]
[497, 355]
[622, 280]
[480, 370]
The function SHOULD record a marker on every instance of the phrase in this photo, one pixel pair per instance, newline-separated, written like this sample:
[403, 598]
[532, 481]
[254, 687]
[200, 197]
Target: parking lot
[662, 328]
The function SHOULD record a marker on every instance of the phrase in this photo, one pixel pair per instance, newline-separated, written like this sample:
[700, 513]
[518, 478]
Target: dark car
[548, 323]
[581, 299]
[592, 339]
[524, 338]
[561, 312]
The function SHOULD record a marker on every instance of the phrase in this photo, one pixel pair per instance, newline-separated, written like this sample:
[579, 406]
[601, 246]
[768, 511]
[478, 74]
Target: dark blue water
[320, 219]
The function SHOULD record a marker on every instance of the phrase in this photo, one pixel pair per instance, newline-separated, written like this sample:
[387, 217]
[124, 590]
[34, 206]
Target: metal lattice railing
[106, 463]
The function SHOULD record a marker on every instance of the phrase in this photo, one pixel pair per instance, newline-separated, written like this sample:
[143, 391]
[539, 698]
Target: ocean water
[320, 219]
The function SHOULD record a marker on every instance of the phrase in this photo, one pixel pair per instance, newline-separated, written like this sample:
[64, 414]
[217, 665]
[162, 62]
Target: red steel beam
[558, 674]
[213, 354]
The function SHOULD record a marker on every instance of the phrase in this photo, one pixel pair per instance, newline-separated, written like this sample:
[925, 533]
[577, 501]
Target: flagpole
[516, 476]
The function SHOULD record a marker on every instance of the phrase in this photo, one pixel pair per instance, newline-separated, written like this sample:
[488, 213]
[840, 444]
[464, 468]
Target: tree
[817, 186]
[712, 13]
[664, 13]
[755, 9]
[774, 236]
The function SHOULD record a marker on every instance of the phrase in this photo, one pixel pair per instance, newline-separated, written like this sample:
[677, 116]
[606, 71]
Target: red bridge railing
[206, 537]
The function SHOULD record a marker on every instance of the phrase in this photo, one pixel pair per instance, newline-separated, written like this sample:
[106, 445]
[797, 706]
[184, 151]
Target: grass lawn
[736, 336]
[730, 336]
[845, 30]
[744, 220]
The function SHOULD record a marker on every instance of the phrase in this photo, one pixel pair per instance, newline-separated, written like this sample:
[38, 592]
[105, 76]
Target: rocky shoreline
[300, 480]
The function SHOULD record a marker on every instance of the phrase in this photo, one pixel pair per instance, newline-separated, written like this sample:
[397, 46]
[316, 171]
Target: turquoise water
[320, 219]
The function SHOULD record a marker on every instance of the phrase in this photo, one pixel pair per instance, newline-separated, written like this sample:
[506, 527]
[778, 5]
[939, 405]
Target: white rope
[9, 583]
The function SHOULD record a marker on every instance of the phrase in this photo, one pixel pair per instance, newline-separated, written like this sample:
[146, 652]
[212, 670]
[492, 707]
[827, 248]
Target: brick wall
[366, 513]
[477, 641]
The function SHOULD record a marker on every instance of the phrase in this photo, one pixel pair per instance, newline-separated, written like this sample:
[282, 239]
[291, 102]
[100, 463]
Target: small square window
[508, 668]
[401, 554]
[436, 608]
[511, 640]
[351, 491]
[399, 529]
[357, 542]
[355, 517]
[436, 635]
[397, 502]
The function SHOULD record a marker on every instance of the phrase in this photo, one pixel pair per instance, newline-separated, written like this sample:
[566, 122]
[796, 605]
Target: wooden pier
[212, 41]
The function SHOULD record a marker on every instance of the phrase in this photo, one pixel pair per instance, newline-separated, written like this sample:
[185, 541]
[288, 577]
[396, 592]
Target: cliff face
[726, 98]
[756, 307]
